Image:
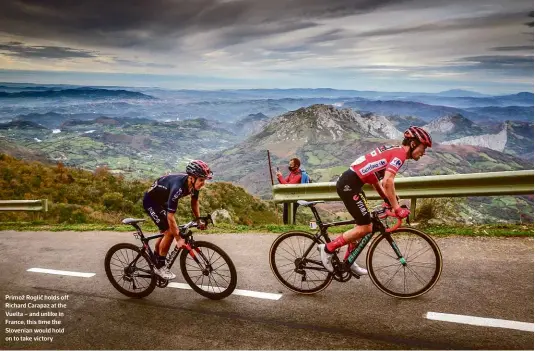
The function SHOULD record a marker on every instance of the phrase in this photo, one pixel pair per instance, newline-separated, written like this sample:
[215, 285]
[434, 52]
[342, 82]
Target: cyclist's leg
[349, 188]
[158, 214]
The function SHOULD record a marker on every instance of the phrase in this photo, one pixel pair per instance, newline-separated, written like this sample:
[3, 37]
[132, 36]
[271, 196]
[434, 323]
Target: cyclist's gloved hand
[201, 224]
[402, 212]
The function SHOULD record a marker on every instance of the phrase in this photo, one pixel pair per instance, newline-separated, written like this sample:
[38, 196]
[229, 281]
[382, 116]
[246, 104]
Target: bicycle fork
[354, 250]
[203, 262]
[396, 249]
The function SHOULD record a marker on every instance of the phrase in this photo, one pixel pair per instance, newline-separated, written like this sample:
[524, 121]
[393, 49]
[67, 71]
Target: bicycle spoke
[288, 252]
[223, 264]
[212, 263]
[388, 282]
[126, 260]
[389, 265]
[429, 248]
[118, 259]
[287, 264]
[416, 275]
[408, 249]
[113, 264]
[291, 248]
[384, 253]
[289, 270]
[422, 264]
[404, 281]
[226, 281]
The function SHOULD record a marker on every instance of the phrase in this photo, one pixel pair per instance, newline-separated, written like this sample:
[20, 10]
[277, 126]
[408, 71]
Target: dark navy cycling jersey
[167, 190]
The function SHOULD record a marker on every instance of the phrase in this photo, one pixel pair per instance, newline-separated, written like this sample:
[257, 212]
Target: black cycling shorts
[157, 212]
[349, 188]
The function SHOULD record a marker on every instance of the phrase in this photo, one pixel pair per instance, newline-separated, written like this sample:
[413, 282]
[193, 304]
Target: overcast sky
[420, 45]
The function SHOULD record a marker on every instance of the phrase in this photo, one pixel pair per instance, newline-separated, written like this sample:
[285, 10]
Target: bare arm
[195, 207]
[390, 190]
[380, 190]
[173, 226]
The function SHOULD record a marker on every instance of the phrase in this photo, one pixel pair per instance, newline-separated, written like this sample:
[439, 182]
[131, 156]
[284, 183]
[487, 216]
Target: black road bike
[402, 262]
[206, 267]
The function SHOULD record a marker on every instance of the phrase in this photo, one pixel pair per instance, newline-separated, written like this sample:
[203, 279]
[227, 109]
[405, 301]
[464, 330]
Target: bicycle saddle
[132, 220]
[308, 203]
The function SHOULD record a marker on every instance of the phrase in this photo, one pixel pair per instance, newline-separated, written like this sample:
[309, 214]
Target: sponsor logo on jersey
[347, 188]
[396, 162]
[177, 195]
[154, 215]
[370, 167]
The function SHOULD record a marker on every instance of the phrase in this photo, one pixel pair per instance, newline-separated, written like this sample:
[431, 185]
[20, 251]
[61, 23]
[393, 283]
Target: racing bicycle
[402, 262]
[206, 267]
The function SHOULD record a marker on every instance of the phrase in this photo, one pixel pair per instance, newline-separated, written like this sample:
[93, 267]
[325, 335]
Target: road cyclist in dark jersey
[383, 164]
[161, 202]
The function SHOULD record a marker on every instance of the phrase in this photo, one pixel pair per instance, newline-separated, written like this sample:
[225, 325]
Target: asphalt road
[482, 277]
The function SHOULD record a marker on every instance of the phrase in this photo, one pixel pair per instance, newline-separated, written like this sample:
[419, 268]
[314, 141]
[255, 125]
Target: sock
[160, 260]
[336, 243]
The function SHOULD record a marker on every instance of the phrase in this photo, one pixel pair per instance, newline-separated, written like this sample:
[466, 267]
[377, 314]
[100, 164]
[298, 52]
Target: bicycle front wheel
[211, 272]
[298, 272]
[415, 273]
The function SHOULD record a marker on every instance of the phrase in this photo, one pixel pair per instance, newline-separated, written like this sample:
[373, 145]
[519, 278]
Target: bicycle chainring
[162, 283]
[341, 273]
[341, 277]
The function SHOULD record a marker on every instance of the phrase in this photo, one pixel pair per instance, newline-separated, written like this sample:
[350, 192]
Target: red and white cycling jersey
[371, 167]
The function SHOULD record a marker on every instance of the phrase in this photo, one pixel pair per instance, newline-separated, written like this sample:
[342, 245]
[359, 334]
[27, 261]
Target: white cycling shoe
[165, 273]
[326, 258]
[355, 268]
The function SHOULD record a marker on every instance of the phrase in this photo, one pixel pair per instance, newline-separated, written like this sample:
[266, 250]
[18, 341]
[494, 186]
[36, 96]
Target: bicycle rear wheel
[414, 277]
[211, 273]
[129, 269]
[304, 275]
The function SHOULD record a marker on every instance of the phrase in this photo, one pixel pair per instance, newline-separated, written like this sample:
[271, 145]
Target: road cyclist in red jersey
[383, 163]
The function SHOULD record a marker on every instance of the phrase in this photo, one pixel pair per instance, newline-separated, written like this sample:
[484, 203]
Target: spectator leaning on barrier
[294, 177]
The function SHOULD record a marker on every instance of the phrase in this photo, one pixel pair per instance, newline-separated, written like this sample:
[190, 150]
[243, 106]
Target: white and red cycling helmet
[420, 134]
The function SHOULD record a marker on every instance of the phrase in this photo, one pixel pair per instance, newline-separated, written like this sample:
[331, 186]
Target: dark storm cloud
[142, 64]
[18, 49]
[530, 24]
[154, 23]
[513, 65]
[513, 48]
[307, 43]
[489, 21]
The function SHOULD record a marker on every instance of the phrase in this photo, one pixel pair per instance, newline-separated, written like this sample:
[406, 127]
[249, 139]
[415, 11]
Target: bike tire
[206, 247]
[436, 260]
[111, 277]
[278, 248]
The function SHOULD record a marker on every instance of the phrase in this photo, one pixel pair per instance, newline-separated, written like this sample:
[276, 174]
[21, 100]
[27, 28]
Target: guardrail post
[413, 209]
[290, 214]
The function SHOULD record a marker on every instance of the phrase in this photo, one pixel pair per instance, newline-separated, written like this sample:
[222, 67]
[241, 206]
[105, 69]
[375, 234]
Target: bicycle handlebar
[195, 223]
[390, 213]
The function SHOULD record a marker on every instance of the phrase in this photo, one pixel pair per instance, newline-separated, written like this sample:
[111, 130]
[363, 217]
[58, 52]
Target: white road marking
[69, 273]
[484, 322]
[257, 294]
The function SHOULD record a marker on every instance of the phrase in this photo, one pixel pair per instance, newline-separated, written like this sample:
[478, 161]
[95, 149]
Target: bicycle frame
[377, 226]
[170, 259]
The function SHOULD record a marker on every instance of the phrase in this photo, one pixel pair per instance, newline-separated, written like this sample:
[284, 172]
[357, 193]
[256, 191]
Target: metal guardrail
[456, 185]
[24, 205]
